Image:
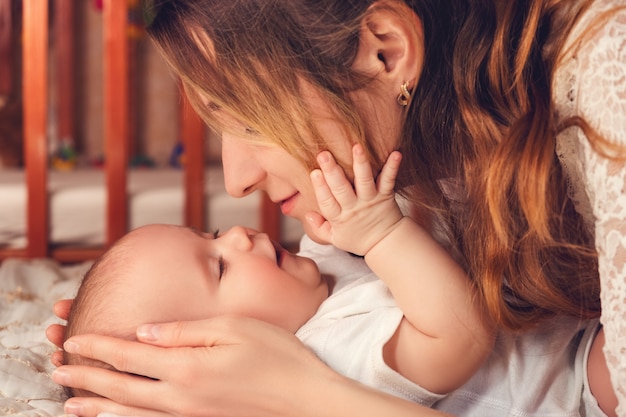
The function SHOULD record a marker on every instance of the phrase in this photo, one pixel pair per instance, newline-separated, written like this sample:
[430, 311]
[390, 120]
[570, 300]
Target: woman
[511, 117]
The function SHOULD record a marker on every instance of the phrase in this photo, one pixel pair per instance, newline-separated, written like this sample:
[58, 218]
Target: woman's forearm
[338, 396]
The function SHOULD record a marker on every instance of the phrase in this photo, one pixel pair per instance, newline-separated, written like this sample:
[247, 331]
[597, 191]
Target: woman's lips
[287, 205]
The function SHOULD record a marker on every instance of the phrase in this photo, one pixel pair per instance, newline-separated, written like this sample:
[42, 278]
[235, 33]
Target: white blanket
[28, 290]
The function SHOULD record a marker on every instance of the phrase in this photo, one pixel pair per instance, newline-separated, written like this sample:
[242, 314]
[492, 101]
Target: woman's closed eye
[213, 108]
[251, 131]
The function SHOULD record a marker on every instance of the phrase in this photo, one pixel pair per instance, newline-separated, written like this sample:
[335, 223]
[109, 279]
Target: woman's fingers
[124, 391]
[57, 358]
[62, 308]
[56, 334]
[123, 355]
[216, 331]
[103, 407]
[213, 377]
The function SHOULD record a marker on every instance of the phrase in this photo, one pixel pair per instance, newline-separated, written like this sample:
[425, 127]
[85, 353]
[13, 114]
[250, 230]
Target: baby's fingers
[336, 180]
[387, 178]
[320, 227]
[364, 183]
[329, 207]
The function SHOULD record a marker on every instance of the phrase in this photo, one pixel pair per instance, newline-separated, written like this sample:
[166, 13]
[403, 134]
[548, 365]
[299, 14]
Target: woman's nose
[240, 237]
[242, 172]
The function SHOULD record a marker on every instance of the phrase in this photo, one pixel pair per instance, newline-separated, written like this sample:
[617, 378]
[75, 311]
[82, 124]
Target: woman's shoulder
[601, 28]
[598, 36]
[590, 80]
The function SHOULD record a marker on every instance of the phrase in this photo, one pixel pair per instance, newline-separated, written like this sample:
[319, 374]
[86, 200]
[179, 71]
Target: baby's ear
[391, 44]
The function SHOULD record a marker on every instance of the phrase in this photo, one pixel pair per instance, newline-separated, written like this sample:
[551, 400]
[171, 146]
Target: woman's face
[250, 167]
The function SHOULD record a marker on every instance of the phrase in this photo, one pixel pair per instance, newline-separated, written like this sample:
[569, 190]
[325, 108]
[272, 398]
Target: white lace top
[591, 82]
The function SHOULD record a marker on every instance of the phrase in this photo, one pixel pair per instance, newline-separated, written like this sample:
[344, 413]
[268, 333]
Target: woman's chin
[310, 233]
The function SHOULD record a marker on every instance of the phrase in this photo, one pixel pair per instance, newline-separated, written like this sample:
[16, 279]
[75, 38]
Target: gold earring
[405, 94]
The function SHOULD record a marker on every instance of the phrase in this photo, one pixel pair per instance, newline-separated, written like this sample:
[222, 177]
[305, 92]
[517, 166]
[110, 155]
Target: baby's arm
[599, 378]
[443, 338]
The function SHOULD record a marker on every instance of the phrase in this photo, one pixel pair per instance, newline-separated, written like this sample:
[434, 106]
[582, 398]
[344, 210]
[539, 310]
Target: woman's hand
[222, 366]
[56, 332]
[225, 366]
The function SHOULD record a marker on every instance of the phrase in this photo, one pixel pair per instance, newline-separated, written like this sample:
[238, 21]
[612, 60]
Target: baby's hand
[355, 218]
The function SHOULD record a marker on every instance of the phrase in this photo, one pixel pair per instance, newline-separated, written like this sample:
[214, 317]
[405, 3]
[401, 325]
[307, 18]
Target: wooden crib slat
[116, 131]
[116, 120]
[64, 63]
[6, 48]
[270, 218]
[192, 134]
[35, 91]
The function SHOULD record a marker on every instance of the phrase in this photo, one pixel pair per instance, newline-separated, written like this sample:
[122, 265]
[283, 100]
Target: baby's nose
[240, 236]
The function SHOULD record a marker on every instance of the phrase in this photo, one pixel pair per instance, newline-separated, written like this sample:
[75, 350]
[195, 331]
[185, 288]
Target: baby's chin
[329, 282]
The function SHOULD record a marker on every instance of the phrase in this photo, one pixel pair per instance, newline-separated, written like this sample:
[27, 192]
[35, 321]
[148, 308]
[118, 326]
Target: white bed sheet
[28, 289]
[77, 204]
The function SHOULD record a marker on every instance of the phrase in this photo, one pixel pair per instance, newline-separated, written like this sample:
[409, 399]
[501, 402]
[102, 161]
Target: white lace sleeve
[592, 83]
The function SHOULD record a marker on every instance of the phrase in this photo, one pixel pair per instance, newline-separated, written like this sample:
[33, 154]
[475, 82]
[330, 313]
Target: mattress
[77, 205]
[28, 289]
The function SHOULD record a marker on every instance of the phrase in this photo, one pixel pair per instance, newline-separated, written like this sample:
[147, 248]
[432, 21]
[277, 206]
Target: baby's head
[164, 273]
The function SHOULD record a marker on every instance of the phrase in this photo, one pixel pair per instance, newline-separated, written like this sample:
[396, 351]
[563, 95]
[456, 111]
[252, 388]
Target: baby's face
[182, 274]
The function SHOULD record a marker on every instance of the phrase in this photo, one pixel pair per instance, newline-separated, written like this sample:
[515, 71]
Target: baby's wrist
[389, 235]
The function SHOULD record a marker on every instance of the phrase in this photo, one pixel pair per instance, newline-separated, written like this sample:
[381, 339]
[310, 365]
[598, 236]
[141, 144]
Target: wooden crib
[36, 36]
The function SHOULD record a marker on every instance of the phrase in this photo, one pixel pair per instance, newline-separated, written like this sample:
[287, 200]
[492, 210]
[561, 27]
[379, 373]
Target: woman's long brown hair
[479, 139]
[494, 131]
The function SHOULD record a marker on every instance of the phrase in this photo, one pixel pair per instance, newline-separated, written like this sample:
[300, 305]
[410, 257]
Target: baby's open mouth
[279, 253]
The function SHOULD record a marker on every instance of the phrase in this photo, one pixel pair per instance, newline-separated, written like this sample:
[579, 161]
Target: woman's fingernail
[73, 407]
[71, 347]
[61, 377]
[148, 332]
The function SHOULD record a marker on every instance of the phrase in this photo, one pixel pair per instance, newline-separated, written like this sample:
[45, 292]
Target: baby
[163, 273]
[348, 317]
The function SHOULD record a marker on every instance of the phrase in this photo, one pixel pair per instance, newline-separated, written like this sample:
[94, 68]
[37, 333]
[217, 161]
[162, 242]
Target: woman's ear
[391, 44]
